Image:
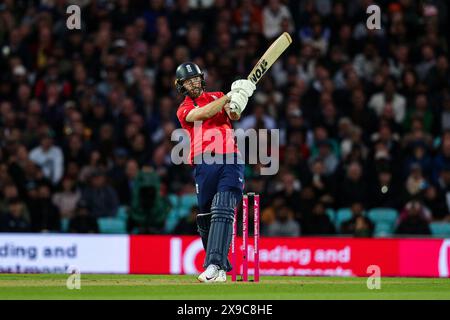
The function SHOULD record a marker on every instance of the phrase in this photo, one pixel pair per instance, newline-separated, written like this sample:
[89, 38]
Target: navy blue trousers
[213, 178]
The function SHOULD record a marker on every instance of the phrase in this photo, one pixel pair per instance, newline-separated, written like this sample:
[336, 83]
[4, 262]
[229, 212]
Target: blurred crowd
[364, 115]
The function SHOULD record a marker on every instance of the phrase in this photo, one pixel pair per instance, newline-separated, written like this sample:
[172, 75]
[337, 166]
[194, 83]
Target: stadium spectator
[367, 62]
[419, 155]
[124, 183]
[14, 220]
[45, 216]
[325, 149]
[353, 187]
[66, 200]
[307, 202]
[435, 201]
[360, 115]
[248, 17]
[284, 224]
[273, 15]
[389, 99]
[83, 221]
[9, 192]
[325, 152]
[358, 225]
[188, 225]
[414, 219]
[75, 150]
[100, 198]
[442, 158]
[319, 222]
[295, 155]
[268, 214]
[49, 157]
[290, 192]
[415, 184]
[445, 116]
[384, 192]
[94, 163]
[421, 111]
[116, 173]
[316, 35]
[428, 61]
[443, 187]
[323, 186]
[438, 76]
[258, 119]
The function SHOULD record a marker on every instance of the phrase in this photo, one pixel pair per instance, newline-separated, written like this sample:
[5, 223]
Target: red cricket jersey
[214, 134]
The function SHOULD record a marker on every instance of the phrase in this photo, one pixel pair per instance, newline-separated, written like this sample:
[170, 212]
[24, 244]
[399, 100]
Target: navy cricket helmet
[186, 71]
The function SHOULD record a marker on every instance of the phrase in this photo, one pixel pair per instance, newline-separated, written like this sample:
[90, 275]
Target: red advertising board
[424, 257]
[300, 256]
[28, 253]
[165, 254]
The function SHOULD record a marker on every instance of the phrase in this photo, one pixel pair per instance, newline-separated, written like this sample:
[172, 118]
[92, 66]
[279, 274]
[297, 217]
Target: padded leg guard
[203, 226]
[219, 240]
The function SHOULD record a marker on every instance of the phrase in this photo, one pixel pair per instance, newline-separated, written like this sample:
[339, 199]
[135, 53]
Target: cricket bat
[269, 57]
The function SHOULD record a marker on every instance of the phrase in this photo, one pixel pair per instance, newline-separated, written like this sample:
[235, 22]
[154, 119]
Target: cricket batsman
[219, 185]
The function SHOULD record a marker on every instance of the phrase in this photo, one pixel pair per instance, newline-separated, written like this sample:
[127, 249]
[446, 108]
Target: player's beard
[195, 92]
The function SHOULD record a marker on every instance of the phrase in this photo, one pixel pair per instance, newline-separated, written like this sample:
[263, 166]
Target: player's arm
[238, 96]
[208, 111]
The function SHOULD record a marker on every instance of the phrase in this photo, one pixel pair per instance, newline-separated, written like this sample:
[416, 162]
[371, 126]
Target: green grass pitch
[182, 287]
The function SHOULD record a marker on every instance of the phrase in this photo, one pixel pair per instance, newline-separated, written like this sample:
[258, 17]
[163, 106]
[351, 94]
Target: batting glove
[238, 102]
[243, 85]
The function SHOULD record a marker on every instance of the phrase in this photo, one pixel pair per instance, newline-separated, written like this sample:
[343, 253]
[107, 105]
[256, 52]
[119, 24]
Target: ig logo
[374, 280]
[74, 280]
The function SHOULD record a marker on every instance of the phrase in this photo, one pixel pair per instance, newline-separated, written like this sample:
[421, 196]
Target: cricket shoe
[210, 274]
[222, 277]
